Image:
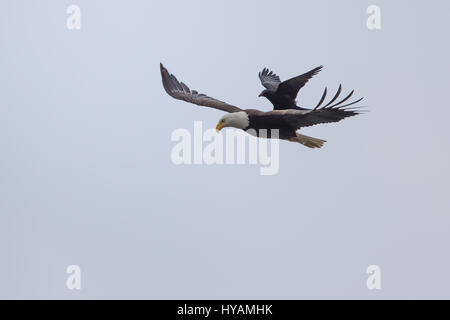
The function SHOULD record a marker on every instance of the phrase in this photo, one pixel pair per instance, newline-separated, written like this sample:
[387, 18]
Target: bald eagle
[286, 120]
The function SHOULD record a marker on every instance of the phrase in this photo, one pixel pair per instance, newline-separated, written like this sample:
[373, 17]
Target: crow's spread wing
[269, 79]
[292, 86]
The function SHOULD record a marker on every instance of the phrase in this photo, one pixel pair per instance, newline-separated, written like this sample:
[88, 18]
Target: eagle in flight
[286, 117]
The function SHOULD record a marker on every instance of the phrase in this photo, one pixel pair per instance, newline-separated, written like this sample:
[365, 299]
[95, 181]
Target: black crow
[283, 94]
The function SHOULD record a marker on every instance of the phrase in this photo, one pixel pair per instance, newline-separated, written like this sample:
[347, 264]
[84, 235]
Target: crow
[282, 94]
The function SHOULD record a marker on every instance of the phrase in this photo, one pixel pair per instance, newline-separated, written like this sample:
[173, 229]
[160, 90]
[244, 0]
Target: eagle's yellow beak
[220, 126]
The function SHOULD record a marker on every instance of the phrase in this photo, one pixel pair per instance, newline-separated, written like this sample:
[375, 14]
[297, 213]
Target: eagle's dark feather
[181, 91]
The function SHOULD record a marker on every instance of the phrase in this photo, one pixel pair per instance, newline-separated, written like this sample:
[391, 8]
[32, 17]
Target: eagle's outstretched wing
[326, 114]
[269, 79]
[180, 91]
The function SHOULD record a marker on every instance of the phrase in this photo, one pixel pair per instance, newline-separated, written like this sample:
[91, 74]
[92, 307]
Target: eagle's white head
[237, 120]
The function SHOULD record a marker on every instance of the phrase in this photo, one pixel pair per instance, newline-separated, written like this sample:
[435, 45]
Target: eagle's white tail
[310, 142]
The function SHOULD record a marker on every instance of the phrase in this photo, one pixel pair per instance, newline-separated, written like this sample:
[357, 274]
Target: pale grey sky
[86, 176]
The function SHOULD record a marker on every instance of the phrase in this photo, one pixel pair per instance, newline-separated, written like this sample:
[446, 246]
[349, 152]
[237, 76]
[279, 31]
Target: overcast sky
[86, 176]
